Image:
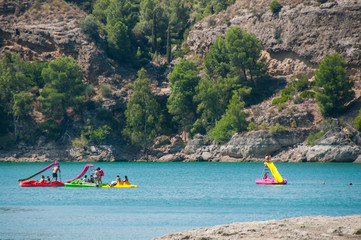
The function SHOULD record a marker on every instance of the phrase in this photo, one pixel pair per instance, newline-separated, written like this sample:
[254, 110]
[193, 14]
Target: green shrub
[222, 131]
[277, 34]
[307, 94]
[314, 137]
[106, 90]
[90, 26]
[99, 134]
[82, 142]
[287, 92]
[251, 126]
[301, 84]
[294, 124]
[275, 7]
[357, 122]
[263, 126]
[278, 101]
[89, 91]
[276, 129]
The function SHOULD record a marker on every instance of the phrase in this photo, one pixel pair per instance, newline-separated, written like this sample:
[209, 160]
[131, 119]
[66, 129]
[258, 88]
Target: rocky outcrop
[337, 145]
[39, 153]
[299, 37]
[50, 152]
[43, 30]
[256, 144]
[311, 228]
[101, 153]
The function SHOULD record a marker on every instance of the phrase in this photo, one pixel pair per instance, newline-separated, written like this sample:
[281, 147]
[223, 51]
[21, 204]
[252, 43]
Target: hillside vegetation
[128, 72]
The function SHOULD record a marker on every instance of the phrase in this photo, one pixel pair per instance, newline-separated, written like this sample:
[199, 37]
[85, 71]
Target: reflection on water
[4, 210]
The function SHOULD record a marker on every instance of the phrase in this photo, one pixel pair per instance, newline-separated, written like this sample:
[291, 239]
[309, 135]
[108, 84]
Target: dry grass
[51, 10]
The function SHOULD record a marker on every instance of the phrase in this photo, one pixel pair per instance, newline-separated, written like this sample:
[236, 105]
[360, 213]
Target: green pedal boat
[80, 183]
[77, 182]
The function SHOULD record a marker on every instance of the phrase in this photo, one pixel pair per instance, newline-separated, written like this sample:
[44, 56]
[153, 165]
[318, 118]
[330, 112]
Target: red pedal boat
[25, 182]
[34, 183]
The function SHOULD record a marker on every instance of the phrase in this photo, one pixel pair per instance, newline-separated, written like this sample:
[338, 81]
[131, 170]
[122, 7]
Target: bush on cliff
[235, 120]
[90, 26]
[334, 88]
[277, 129]
[357, 122]
[275, 7]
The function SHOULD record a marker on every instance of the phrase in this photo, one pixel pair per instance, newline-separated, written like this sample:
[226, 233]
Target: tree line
[142, 30]
[235, 77]
[52, 89]
[212, 103]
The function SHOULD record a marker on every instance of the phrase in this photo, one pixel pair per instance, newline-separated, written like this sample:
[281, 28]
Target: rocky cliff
[44, 30]
[297, 39]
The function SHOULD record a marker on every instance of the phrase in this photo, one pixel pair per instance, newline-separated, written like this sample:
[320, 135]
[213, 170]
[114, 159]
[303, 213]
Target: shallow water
[171, 197]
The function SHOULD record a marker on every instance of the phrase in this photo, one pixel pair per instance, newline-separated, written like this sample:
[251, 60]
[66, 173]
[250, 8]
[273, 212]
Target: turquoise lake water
[171, 197]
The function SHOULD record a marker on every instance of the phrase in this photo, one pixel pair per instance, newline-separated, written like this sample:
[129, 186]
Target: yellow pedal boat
[125, 184]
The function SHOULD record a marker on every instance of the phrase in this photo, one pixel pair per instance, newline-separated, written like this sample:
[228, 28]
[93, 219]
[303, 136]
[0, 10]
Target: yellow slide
[274, 172]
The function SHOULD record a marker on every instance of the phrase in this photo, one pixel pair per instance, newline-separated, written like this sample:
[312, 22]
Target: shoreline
[309, 227]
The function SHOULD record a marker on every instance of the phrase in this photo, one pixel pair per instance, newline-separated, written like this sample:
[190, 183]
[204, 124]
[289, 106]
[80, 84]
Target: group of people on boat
[56, 169]
[96, 179]
[118, 180]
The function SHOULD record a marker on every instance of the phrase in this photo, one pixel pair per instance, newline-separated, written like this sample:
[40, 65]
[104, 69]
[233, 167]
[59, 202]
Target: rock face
[51, 152]
[44, 30]
[337, 145]
[100, 153]
[317, 228]
[257, 144]
[300, 36]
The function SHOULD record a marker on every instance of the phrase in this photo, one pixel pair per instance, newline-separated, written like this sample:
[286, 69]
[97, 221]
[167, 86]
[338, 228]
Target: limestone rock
[301, 35]
[258, 143]
[312, 228]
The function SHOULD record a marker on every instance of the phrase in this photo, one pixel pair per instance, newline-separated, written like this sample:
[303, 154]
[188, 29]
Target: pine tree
[334, 88]
[183, 81]
[143, 116]
[63, 89]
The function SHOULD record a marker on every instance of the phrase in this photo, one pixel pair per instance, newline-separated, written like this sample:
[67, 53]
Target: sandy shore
[315, 227]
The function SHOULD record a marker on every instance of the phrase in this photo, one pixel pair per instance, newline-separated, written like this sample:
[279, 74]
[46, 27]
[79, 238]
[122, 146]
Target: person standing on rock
[56, 169]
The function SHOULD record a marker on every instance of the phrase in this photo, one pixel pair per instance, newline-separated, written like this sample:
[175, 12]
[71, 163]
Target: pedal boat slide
[25, 182]
[277, 176]
[77, 182]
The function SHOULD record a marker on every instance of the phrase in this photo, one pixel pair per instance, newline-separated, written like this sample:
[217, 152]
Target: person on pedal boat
[56, 169]
[117, 180]
[42, 179]
[265, 176]
[125, 179]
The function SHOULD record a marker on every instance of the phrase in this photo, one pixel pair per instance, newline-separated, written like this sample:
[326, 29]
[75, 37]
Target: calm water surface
[171, 197]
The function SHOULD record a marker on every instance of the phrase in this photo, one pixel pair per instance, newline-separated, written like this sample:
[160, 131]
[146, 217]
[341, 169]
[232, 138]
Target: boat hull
[34, 183]
[270, 181]
[79, 183]
[121, 185]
